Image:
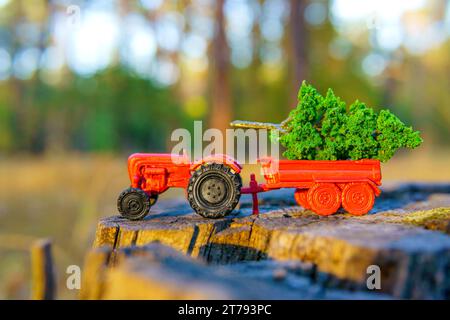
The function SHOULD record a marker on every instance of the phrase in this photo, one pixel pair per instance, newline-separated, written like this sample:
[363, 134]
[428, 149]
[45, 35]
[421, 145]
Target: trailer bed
[305, 173]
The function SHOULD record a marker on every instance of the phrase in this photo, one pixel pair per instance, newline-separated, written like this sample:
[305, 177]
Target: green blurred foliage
[119, 111]
[111, 111]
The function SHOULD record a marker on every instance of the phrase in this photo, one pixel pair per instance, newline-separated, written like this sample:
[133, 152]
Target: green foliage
[393, 134]
[321, 128]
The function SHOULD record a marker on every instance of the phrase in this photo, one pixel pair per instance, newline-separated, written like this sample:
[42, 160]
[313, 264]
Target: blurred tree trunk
[56, 119]
[298, 41]
[17, 87]
[389, 87]
[221, 109]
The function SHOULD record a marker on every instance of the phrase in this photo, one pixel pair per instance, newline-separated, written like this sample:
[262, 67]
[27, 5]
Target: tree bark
[221, 109]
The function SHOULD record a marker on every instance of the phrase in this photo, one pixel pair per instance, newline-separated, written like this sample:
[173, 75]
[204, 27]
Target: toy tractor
[213, 185]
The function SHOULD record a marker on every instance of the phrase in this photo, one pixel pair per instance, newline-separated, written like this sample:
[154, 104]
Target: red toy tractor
[214, 185]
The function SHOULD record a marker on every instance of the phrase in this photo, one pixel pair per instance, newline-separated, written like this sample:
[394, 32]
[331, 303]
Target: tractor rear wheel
[301, 198]
[324, 198]
[134, 203]
[214, 190]
[357, 198]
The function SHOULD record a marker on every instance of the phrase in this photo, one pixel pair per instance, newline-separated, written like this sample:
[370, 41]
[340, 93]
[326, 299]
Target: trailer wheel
[301, 197]
[214, 190]
[357, 198]
[134, 203]
[324, 198]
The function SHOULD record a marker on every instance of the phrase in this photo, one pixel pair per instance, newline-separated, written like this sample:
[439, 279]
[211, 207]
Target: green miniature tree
[321, 128]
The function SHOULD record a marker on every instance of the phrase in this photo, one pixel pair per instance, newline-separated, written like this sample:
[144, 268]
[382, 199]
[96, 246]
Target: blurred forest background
[84, 83]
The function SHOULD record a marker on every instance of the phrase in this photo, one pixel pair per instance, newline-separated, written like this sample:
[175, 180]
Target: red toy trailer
[323, 186]
[214, 186]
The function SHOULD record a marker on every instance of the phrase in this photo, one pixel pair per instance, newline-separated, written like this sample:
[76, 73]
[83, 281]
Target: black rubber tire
[214, 190]
[134, 203]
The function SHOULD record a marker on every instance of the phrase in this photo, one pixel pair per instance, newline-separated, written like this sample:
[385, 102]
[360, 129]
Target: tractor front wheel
[134, 203]
[214, 190]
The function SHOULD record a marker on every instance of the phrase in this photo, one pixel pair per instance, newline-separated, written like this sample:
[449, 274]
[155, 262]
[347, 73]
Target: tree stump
[42, 270]
[406, 236]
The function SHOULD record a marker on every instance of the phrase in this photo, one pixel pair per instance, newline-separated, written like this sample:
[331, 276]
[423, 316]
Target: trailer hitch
[253, 189]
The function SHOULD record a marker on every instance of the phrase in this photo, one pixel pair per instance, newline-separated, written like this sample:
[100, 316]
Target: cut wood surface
[406, 235]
